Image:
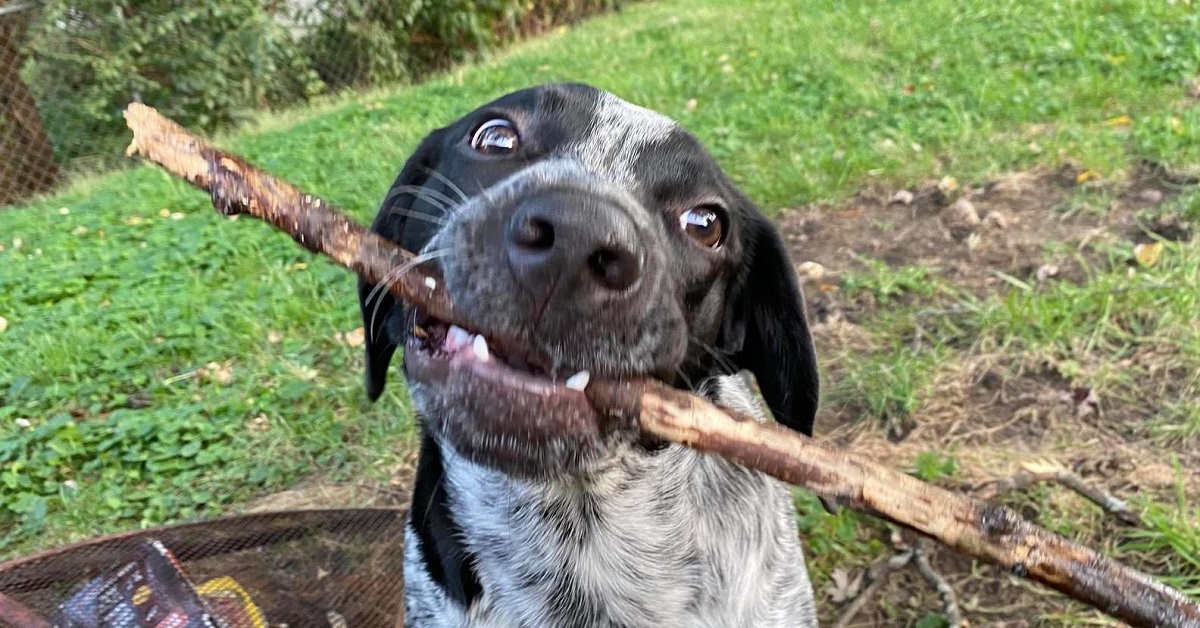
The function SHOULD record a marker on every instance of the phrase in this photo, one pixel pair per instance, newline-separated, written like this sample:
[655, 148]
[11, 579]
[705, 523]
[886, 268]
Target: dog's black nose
[567, 241]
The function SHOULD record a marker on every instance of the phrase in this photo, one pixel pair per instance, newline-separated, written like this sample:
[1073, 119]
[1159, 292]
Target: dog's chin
[501, 411]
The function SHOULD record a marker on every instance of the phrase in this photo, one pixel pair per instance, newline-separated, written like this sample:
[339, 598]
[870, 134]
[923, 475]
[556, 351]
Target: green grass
[113, 308]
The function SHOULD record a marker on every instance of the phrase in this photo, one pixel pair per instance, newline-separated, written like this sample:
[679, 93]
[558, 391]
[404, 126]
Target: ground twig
[877, 576]
[977, 529]
[1038, 473]
[949, 600]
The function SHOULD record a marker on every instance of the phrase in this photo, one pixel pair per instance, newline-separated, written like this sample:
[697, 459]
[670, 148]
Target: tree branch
[977, 529]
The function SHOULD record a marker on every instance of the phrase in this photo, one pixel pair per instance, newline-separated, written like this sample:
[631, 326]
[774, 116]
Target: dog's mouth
[522, 370]
[498, 401]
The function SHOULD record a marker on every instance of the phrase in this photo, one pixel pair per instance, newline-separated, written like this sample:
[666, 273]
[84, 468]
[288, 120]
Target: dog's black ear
[383, 317]
[766, 330]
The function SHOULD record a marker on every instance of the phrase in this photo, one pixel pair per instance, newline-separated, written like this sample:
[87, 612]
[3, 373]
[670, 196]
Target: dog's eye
[705, 225]
[495, 137]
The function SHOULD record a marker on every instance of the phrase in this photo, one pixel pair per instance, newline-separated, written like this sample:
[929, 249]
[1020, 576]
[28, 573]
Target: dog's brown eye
[495, 137]
[705, 225]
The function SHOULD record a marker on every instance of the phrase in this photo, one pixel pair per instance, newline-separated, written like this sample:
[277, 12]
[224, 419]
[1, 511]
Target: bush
[210, 64]
[206, 64]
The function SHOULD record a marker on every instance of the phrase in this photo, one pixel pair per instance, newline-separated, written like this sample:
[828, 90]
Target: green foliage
[931, 466]
[207, 64]
[887, 284]
[210, 64]
[835, 540]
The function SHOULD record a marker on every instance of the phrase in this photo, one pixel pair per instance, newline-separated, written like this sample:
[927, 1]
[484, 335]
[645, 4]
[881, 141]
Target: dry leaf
[948, 184]
[1086, 175]
[842, 587]
[274, 337]
[1086, 402]
[221, 373]
[1147, 254]
[259, 423]
[903, 197]
[3, 324]
[1119, 121]
[1043, 465]
[354, 338]
[810, 271]
[1046, 271]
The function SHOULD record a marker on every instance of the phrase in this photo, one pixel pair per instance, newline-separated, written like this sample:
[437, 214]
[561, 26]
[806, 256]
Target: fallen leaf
[1086, 402]
[810, 271]
[3, 324]
[691, 105]
[903, 197]
[1147, 254]
[1046, 271]
[274, 337]
[1119, 121]
[221, 373]
[80, 230]
[948, 184]
[1086, 175]
[842, 587]
[354, 338]
[63, 211]
[1042, 465]
[259, 423]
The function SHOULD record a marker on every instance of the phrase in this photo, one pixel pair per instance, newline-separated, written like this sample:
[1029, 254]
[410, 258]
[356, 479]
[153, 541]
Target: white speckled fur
[676, 538]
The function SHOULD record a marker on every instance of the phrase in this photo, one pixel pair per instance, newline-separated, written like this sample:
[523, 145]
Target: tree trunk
[27, 163]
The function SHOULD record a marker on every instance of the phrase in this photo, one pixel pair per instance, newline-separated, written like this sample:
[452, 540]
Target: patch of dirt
[993, 411]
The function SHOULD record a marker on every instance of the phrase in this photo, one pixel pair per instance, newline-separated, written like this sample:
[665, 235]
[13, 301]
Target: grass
[160, 363]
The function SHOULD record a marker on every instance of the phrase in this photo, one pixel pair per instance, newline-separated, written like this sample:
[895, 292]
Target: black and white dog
[607, 242]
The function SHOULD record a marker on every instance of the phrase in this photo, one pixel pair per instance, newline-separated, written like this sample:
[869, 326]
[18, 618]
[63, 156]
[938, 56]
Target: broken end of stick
[165, 143]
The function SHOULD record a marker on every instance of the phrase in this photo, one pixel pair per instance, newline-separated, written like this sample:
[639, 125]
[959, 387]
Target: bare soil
[993, 411]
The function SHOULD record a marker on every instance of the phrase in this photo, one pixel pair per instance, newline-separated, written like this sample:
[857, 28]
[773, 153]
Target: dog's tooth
[456, 337]
[431, 283]
[578, 381]
[479, 346]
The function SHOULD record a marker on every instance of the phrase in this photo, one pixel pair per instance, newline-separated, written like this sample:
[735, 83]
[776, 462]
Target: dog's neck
[662, 538]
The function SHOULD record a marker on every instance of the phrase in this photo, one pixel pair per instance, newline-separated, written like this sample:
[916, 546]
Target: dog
[604, 242]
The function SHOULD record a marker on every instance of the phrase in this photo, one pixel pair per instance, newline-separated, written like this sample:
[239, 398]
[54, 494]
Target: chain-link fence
[68, 67]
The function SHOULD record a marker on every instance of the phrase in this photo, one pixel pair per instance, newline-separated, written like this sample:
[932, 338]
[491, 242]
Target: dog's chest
[644, 545]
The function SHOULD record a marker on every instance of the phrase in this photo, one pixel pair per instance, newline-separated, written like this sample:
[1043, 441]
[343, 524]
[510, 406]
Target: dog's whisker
[686, 380]
[433, 197]
[444, 179]
[722, 360]
[395, 275]
[409, 212]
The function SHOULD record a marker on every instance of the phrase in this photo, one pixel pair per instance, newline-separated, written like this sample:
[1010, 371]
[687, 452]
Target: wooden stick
[989, 532]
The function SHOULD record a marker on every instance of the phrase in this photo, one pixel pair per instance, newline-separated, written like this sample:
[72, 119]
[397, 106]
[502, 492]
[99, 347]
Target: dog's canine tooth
[480, 348]
[456, 337]
[578, 381]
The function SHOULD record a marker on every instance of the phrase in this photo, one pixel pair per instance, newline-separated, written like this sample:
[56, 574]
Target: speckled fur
[674, 538]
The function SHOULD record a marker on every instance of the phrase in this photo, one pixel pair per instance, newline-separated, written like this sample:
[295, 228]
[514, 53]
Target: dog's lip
[510, 406]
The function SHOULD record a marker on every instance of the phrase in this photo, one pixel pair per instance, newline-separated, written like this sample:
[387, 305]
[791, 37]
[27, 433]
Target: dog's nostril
[614, 269]
[534, 233]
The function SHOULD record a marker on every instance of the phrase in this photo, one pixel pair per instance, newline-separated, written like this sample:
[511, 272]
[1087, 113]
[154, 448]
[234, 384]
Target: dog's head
[607, 242]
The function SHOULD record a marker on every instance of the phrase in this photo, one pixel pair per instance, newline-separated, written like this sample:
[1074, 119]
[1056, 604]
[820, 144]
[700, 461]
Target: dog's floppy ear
[765, 328]
[383, 319]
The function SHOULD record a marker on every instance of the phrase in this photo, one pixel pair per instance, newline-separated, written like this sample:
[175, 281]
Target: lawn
[159, 363]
